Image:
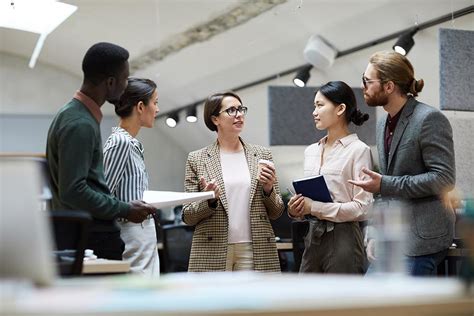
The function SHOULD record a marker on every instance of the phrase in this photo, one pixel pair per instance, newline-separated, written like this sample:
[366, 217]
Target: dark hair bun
[416, 86]
[358, 118]
[122, 109]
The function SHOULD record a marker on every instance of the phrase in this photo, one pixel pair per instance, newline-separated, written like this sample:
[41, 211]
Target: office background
[269, 41]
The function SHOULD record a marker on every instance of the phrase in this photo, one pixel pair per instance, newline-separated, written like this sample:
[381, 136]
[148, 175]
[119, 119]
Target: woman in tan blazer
[233, 231]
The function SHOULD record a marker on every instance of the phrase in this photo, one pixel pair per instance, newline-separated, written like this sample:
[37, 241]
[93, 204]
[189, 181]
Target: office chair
[178, 211]
[177, 240]
[70, 231]
[298, 232]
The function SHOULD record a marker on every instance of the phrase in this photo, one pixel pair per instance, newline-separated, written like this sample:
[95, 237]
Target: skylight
[36, 16]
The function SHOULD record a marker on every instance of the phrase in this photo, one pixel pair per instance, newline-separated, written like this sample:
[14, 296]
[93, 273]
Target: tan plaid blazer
[209, 247]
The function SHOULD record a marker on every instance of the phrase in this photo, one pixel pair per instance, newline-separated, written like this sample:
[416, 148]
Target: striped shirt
[124, 166]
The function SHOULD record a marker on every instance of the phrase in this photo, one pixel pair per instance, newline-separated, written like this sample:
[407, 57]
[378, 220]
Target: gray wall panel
[456, 69]
[291, 120]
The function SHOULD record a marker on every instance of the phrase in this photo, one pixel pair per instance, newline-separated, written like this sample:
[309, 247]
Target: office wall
[41, 90]
[425, 57]
[166, 151]
[29, 99]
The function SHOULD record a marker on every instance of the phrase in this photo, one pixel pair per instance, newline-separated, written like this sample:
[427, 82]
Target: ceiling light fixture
[191, 114]
[36, 16]
[172, 119]
[405, 42]
[302, 76]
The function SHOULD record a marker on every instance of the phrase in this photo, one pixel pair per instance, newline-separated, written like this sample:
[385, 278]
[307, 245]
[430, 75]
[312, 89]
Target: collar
[133, 140]
[345, 141]
[90, 104]
[214, 147]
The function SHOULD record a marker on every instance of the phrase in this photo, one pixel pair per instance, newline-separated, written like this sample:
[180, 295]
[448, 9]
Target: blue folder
[313, 187]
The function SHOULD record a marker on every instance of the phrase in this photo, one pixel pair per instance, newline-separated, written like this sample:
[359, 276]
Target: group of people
[233, 230]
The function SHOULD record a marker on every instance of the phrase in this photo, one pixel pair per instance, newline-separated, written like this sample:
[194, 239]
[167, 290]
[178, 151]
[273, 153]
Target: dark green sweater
[75, 160]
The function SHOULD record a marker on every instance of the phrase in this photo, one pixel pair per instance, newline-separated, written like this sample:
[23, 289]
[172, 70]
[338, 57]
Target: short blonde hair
[392, 66]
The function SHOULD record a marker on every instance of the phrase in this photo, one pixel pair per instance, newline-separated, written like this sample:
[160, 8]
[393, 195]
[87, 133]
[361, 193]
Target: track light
[302, 76]
[405, 42]
[191, 114]
[172, 120]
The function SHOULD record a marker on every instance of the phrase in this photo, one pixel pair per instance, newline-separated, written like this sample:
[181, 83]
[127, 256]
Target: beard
[378, 99]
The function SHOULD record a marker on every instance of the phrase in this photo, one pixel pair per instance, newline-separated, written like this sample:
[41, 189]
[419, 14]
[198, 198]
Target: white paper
[161, 199]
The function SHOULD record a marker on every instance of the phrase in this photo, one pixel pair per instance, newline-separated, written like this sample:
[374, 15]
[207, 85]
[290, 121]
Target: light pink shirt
[236, 175]
[344, 162]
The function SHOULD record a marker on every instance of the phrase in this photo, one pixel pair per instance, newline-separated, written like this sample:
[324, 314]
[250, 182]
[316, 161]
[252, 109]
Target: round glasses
[232, 111]
[365, 80]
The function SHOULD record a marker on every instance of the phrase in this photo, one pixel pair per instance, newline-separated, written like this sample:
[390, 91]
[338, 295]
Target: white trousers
[239, 257]
[140, 247]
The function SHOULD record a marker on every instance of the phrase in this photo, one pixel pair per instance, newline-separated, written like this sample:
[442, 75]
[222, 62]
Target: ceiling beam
[236, 16]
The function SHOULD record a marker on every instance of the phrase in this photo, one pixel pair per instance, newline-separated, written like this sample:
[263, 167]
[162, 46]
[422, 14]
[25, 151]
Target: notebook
[313, 187]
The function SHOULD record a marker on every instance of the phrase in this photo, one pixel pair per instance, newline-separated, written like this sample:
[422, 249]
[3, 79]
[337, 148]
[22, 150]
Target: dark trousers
[106, 245]
[338, 251]
[426, 265]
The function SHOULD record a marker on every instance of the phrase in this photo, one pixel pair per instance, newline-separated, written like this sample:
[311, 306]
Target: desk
[244, 294]
[452, 252]
[284, 246]
[104, 266]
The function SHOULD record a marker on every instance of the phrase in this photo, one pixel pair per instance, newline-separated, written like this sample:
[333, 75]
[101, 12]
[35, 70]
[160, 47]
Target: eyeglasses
[365, 80]
[232, 111]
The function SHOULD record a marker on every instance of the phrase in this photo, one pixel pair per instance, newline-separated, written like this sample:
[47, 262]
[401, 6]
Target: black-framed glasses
[366, 80]
[232, 111]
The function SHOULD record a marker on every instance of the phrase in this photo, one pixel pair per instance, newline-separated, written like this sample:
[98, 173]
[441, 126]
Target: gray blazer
[419, 168]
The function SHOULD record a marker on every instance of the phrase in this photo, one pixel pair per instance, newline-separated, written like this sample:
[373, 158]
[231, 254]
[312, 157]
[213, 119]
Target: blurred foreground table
[244, 294]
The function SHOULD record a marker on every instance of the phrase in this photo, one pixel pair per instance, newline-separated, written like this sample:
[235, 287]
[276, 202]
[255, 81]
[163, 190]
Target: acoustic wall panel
[291, 119]
[456, 69]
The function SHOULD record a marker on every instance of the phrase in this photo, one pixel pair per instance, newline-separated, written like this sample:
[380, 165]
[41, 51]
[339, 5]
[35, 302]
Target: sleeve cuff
[383, 185]
[124, 210]
[269, 194]
[316, 208]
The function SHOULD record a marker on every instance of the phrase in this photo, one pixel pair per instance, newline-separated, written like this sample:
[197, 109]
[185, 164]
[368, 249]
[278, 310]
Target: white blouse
[236, 175]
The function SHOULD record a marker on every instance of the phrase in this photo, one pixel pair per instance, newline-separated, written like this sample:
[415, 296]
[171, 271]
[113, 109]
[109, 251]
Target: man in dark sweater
[74, 151]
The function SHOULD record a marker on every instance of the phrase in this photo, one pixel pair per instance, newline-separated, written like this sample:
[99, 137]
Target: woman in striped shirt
[125, 171]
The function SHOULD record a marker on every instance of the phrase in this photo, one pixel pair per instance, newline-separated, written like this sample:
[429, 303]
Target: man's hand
[451, 200]
[372, 184]
[139, 211]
